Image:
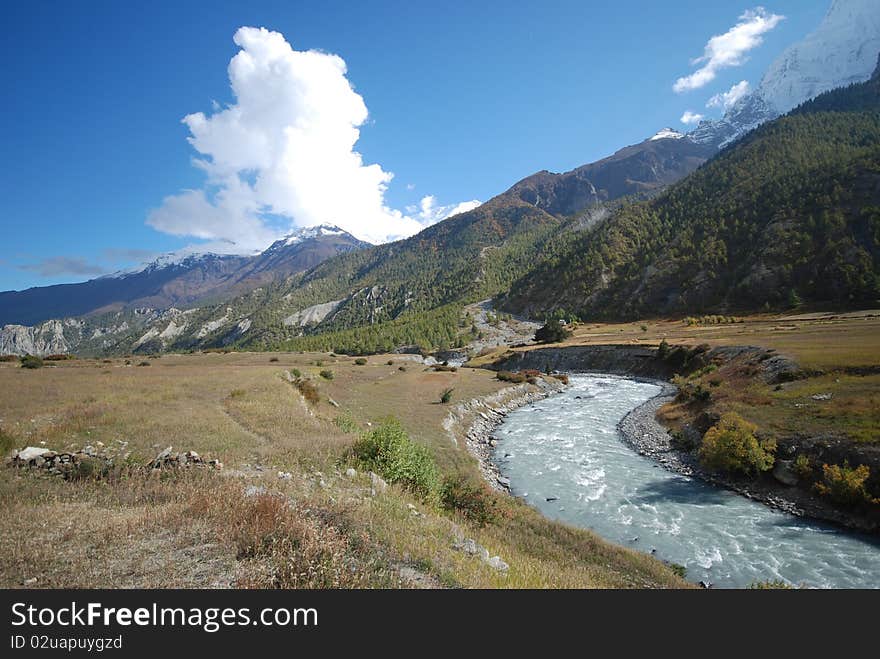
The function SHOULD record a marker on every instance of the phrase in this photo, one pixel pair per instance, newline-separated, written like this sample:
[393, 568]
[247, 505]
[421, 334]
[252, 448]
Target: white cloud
[726, 99]
[691, 118]
[428, 212]
[729, 49]
[282, 154]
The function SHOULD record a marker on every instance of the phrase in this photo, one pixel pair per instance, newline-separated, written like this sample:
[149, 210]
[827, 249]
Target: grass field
[317, 528]
[840, 353]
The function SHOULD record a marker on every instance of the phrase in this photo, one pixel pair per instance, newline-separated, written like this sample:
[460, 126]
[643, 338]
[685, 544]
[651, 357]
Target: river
[565, 456]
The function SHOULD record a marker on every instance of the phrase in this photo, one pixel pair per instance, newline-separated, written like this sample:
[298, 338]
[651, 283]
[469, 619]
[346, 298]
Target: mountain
[177, 279]
[790, 213]
[642, 168]
[322, 288]
[841, 51]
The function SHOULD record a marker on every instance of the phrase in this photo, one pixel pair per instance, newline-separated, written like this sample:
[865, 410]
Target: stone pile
[168, 459]
[66, 463]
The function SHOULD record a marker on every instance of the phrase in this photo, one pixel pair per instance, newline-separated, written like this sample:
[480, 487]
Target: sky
[133, 129]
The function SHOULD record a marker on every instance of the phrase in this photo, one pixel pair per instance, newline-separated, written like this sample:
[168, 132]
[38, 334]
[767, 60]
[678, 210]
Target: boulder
[377, 485]
[30, 453]
[783, 472]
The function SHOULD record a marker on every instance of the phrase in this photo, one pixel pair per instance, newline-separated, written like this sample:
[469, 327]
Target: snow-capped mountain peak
[841, 51]
[307, 233]
[666, 134]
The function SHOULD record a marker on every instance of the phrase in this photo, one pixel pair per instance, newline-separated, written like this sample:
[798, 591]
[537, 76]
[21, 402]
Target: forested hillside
[788, 215]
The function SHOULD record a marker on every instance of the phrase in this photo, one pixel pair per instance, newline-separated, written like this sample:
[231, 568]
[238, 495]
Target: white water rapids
[568, 450]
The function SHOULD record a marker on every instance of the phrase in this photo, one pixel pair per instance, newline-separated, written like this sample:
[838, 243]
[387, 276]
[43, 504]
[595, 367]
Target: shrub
[474, 502]
[273, 359]
[58, 357]
[8, 358]
[845, 485]
[562, 377]
[360, 361]
[644, 328]
[803, 466]
[319, 363]
[295, 372]
[144, 363]
[327, 374]
[388, 450]
[507, 376]
[308, 389]
[236, 393]
[774, 584]
[401, 368]
[552, 332]
[390, 362]
[86, 469]
[663, 349]
[446, 396]
[31, 361]
[731, 445]
[445, 367]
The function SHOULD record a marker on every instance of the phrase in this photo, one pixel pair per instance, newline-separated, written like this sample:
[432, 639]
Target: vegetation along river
[565, 456]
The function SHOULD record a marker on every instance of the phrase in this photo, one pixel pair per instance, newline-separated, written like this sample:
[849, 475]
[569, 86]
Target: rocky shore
[641, 430]
[474, 422]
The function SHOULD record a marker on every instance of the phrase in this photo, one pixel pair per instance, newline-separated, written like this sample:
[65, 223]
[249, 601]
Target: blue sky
[463, 101]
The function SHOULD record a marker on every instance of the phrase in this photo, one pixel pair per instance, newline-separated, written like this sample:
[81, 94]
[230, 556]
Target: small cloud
[729, 49]
[429, 212]
[691, 118]
[63, 265]
[410, 186]
[727, 99]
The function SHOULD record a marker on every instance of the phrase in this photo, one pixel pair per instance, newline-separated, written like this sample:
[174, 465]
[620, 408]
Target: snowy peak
[666, 134]
[307, 233]
[841, 51]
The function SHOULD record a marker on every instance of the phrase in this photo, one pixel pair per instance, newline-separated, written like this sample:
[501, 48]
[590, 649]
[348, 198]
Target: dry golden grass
[199, 530]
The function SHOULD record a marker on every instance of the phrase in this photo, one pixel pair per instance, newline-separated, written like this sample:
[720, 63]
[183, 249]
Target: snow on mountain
[666, 134]
[306, 233]
[841, 51]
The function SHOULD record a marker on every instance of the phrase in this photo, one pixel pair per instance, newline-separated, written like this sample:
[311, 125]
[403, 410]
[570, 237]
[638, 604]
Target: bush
[446, 396]
[8, 358]
[445, 367]
[803, 466]
[58, 357]
[144, 364]
[663, 349]
[552, 332]
[326, 374]
[295, 372]
[845, 485]
[474, 502]
[390, 362]
[731, 445]
[507, 376]
[360, 361]
[401, 368]
[308, 389]
[273, 359]
[389, 451]
[31, 361]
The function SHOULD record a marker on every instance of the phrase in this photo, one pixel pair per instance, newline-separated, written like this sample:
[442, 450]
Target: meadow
[282, 512]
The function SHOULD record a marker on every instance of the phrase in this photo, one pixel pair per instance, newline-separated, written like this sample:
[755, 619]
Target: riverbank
[642, 431]
[474, 423]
